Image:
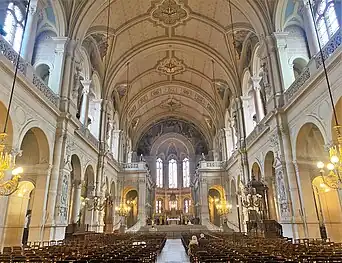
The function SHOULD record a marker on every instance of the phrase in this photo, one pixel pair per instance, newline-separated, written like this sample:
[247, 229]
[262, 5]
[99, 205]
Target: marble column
[31, 30]
[310, 28]
[258, 98]
[76, 207]
[85, 102]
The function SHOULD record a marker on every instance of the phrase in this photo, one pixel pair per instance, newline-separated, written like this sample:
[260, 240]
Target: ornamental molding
[170, 66]
[169, 13]
[171, 104]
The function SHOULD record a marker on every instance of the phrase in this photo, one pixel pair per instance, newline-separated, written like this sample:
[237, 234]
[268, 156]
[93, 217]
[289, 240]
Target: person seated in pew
[202, 241]
[193, 244]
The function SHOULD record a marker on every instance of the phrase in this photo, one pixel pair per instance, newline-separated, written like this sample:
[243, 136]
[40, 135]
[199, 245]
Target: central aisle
[173, 252]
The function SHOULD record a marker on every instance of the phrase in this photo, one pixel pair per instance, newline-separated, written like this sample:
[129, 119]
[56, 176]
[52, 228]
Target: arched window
[159, 206]
[186, 173]
[172, 173]
[326, 20]
[14, 25]
[159, 177]
[187, 204]
[173, 205]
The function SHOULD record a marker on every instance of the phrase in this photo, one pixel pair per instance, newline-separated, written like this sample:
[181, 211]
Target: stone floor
[173, 252]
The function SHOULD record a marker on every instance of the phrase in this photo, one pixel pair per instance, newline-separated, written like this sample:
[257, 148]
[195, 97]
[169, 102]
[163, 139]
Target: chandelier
[9, 174]
[123, 209]
[223, 207]
[330, 172]
[95, 203]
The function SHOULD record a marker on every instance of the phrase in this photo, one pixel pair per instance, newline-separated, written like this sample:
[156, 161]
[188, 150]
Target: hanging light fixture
[9, 173]
[253, 198]
[123, 209]
[331, 171]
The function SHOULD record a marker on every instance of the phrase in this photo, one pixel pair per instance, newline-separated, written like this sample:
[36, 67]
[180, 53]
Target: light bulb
[320, 165]
[17, 171]
[330, 166]
[334, 159]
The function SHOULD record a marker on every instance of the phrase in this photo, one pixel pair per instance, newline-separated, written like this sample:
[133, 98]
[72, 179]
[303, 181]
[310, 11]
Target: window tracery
[186, 173]
[159, 207]
[326, 19]
[187, 204]
[159, 176]
[172, 173]
[14, 24]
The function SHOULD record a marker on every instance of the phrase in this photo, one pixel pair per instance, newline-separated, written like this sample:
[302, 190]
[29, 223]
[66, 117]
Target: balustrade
[28, 71]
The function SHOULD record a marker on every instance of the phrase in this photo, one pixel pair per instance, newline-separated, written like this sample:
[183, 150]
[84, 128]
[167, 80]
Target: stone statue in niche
[265, 82]
[234, 125]
[77, 82]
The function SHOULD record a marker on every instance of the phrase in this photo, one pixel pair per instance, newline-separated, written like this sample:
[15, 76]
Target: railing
[28, 71]
[313, 66]
[259, 129]
[211, 164]
[134, 166]
[86, 134]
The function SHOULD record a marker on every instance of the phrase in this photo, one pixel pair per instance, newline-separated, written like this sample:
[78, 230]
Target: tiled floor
[173, 252]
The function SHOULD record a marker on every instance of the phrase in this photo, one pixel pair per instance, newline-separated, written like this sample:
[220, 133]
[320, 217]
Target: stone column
[56, 174]
[286, 69]
[85, 102]
[39, 215]
[310, 28]
[76, 208]
[142, 199]
[64, 53]
[258, 98]
[248, 119]
[115, 144]
[204, 200]
[31, 30]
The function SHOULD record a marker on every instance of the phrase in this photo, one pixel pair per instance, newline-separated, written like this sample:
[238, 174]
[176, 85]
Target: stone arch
[60, 17]
[256, 62]
[18, 209]
[215, 193]
[9, 128]
[309, 150]
[270, 180]
[256, 171]
[248, 102]
[132, 200]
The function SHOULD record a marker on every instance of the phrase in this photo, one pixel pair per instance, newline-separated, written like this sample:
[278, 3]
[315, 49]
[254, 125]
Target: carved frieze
[169, 13]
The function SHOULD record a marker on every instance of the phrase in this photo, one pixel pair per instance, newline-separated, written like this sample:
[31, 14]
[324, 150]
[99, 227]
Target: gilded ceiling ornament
[169, 13]
[170, 66]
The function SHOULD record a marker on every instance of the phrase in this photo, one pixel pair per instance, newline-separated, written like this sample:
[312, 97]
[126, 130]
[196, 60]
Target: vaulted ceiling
[179, 55]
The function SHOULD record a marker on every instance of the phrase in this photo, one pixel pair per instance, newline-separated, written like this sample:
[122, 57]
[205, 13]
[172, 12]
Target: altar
[173, 221]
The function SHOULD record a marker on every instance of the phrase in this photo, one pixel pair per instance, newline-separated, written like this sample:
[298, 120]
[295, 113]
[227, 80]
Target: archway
[131, 199]
[87, 193]
[318, 212]
[214, 196]
[32, 193]
[233, 216]
[271, 192]
[75, 191]
[256, 171]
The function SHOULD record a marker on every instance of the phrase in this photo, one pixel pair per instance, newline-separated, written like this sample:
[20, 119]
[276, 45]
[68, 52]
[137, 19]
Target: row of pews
[92, 248]
[238, 247]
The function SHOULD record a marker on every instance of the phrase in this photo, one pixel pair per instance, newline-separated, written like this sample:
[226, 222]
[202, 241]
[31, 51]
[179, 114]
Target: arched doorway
[321, 203]
[214, 196]
[131, 200]
[27, 220]
[271, 192]
[256, 171]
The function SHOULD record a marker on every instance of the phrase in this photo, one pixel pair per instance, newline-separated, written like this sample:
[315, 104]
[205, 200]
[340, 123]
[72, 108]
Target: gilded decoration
[169, 13]
[170, 66]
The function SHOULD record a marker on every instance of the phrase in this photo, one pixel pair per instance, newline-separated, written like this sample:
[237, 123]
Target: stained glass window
[172, 173]
[186, 173]
[159, 176]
